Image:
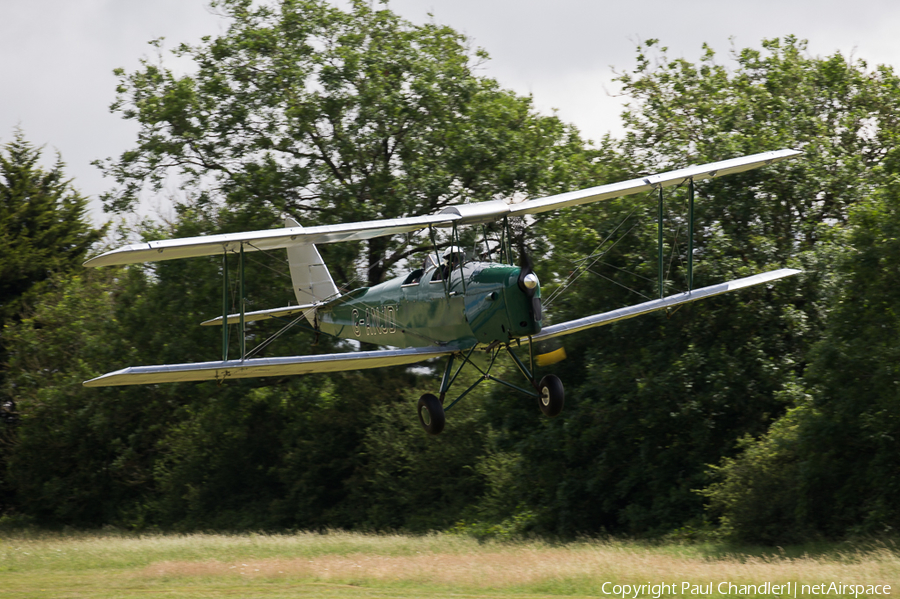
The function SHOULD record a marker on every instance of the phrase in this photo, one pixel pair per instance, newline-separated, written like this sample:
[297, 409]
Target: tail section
[310, 278]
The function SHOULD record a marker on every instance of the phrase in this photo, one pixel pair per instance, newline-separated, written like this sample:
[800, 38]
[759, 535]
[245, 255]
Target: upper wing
[208, 245]
[474, 213]
[644, 184]
[597, 320]
[238, 369]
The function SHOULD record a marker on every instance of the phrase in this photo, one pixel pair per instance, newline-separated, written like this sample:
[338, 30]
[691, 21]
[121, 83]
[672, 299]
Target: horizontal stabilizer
[261, 315]
[598, 320]
[257, 367]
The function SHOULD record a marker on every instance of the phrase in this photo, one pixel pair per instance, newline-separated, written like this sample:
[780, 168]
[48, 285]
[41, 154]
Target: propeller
[528, 282]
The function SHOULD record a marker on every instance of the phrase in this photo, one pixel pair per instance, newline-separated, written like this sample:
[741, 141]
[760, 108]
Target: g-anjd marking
[376, 321]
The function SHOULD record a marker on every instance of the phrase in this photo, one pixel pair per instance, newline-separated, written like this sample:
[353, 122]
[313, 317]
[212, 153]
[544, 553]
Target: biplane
[450, 307]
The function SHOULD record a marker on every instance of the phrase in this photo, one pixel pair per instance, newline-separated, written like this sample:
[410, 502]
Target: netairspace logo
[787, 589]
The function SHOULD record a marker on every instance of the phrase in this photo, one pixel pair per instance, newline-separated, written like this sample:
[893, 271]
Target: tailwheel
[431, 414]
[552, 395]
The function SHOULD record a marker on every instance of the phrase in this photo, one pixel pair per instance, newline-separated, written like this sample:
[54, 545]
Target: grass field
[351, 565]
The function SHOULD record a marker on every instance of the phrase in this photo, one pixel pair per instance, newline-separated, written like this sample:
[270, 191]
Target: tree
[43, 223]
[302, 108]
[838, 111]
[335, 116]
[651, 401]
[834, 458]
[44, 231]
[330, 116]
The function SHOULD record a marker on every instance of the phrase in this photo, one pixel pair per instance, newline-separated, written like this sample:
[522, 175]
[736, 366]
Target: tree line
[768, 415]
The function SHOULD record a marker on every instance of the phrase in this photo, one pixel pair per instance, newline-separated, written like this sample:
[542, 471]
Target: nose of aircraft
[530, 281]
[525, 311]
[530, 284]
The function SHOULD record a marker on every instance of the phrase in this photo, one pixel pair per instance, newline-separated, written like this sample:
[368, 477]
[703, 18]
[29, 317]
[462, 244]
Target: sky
[57, 56]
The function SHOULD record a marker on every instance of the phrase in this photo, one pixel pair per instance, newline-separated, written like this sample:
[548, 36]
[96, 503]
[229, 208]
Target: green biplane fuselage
[481, 302]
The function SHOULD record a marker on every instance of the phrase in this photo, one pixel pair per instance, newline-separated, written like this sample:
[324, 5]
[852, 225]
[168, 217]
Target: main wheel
[552, 395]
[431, 414]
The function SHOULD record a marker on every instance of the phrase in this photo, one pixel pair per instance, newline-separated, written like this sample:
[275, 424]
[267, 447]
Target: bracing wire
[622, 285]
[596, 255]
[274, 336]
[675, 243]
[264, 265]
[626, 271]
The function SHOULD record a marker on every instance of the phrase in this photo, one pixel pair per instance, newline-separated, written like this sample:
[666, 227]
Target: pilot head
[453, 256]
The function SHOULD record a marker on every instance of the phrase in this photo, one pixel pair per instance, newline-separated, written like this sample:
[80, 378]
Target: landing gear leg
[550, 392]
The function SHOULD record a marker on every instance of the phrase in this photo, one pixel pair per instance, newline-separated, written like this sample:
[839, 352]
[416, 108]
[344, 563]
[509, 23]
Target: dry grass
[345, 564]
[539, 566]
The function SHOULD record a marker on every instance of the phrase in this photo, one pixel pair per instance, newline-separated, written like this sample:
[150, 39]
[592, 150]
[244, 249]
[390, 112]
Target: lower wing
[259, 367]
[598, 320]
[237, 369]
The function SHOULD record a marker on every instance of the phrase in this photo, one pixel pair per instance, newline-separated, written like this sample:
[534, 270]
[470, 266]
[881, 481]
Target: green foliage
[44, 232]
[830, 467]
[651, 401]
[410, 481]
[335, 116]
[257, 458]
[755, 498]
[43, 223]
[79, 455]
[341, 115]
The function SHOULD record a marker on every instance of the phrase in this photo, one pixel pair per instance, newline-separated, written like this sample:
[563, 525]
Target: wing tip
[95, 261]
[784, 272]
[96, 381]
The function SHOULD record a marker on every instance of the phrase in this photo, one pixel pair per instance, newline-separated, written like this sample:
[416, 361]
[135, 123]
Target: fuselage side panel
[424, 309]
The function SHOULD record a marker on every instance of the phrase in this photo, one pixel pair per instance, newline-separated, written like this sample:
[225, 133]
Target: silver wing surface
[208, 245]
[645, 184]
[237, 369]
[473, 213]
[598, 320]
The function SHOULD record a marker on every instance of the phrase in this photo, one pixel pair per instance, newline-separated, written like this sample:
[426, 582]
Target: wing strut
[690, 251]
[225, 306]
[690, 269]
[241, 304]
[659, 247]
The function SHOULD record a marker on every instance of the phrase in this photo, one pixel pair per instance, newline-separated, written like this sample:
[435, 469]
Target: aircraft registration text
[375, 321]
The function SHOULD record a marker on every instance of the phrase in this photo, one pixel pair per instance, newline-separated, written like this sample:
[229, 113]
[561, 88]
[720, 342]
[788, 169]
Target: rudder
[310, 278]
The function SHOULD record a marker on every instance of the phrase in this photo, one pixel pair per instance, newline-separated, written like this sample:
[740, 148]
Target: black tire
[431, 414]
[552, 396]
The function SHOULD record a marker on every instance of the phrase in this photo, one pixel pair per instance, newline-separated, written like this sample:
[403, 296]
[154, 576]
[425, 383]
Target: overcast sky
[57, 56]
